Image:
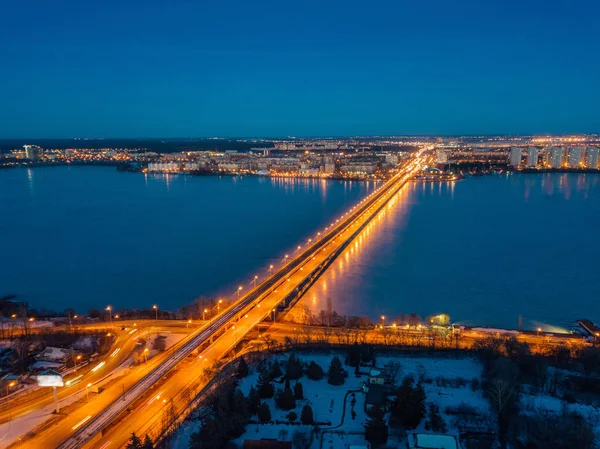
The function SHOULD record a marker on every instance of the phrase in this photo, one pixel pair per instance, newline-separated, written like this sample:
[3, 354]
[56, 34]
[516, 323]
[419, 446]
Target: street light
[146, 354]
[10, 385]
[539, 329]
[77, 358]
[109, 308]
[382, 321]
[273, 314]
[188, 324]
[203, 314]
[239, 290]
[270, 269]
[155, 307]
[219, 305]
[86, 392]
[254, 280]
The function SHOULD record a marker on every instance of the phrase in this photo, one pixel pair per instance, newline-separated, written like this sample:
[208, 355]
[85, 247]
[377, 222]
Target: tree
[287, 384]
[264, 385]
[409, 406]
[134, 442]
[436, 421]
[285, 400]
[293, 368]
[314, 371]
[306, 415]
[376, 429]
[336, 374]
[242, 369]
[275, 370]
[300, 440]
[502, 391]
[253, 401]
[264, 413]
[354, 355]
[298, 391]
[147, 443]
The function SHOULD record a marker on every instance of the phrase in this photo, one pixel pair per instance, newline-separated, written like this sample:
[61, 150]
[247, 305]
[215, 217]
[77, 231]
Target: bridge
[249, 310]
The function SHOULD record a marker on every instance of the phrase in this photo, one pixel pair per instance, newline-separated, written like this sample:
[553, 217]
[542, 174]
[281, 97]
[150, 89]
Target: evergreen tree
[376, 429]
[285, 399]
[409, 406]
[264, 413]
[298, 391]
[264, 385]
[336, 373]
[275, 371]
[293, 368]
[306, 416]
[314, 371]
[147, 443]
[242, 369]
[134, 442]
[253, 400]
[287, 384]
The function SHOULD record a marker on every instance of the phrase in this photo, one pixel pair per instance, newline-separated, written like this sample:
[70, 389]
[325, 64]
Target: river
[485, 250]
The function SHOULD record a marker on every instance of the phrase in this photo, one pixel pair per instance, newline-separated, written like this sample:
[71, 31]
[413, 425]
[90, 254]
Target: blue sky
[254, 68]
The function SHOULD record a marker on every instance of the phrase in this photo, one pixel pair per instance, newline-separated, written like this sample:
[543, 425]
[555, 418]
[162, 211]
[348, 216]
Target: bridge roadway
[349, 224]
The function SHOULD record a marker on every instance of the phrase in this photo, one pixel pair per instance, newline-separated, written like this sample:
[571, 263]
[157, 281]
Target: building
[532, 157]
[555, 158]
[443, 156]
[432, 441]
[591, 157]
[267, 443]
[575, 157]
[516, 154]
[376, 396]
[32, 152]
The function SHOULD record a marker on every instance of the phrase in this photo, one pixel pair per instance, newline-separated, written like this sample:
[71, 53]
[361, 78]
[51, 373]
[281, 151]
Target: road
[224, 331]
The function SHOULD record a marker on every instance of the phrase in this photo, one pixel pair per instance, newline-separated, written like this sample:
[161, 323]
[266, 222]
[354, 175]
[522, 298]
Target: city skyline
[335, 69]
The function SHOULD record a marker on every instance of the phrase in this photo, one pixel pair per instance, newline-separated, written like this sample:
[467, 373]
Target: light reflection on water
[485, 250]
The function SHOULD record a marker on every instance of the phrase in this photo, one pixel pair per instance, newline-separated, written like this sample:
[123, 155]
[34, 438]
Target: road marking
[74, 380]
[105, 445]
[82, 422]
[115, 352]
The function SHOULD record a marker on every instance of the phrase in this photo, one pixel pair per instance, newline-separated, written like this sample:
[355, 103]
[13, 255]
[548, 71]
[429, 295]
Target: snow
[42, 364]
[53, 354]
[495, 331]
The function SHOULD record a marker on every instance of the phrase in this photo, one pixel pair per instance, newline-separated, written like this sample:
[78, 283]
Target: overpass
[259, 302]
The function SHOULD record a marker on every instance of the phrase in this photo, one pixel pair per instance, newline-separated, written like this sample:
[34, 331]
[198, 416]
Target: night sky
[252, 68]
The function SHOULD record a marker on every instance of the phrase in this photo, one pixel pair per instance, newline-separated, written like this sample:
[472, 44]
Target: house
[54, 355]
[267, 443]
[432, 441]
[376, 395]
[376, 376]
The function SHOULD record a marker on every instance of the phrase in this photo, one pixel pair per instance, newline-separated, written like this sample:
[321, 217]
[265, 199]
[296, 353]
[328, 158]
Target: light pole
[187, 325]
[146, 354]
[539, 329]
[10, 385]
[77, 358]
[87, 399]
[285, 258]
[239, 290]
[270, 269]
[203, 314]
[273, 314]
[219, 306]
[109, 308]
[382, 321]
[254, 280]
[155, 307]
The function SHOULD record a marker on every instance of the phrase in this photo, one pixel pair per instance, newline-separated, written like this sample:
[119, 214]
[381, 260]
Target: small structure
[267, 443]
[376, 377]
[432, 441]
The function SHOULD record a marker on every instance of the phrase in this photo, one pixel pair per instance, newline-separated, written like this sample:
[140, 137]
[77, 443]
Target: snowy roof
[42, 364]
[430, 441]
[374, 372]
[53, 354]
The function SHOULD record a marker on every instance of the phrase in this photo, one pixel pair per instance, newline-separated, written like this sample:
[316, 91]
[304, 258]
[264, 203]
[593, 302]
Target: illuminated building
[591, 157]
[532, 157]
[574, 157]
[556, 157]
[516, 154]
[32, 152]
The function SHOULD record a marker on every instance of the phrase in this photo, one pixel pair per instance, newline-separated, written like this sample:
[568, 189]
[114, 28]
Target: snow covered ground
[441, 379]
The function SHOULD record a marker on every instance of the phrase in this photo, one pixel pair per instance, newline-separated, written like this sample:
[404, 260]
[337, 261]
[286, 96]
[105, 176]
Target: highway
[230, 326]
